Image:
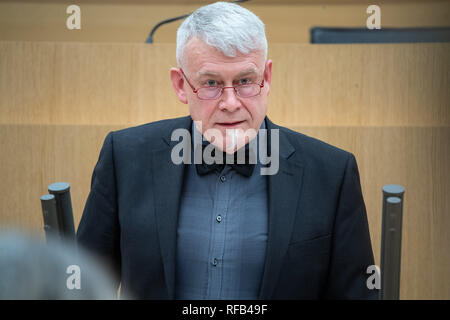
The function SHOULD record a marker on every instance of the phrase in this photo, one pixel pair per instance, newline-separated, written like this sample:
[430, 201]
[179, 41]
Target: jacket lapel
[167, 186]
[284, 194]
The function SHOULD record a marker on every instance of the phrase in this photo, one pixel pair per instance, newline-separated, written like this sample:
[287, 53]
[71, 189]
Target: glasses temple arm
[192, 87]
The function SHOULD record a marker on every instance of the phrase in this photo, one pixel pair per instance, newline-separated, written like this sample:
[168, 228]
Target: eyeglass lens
[243, 91]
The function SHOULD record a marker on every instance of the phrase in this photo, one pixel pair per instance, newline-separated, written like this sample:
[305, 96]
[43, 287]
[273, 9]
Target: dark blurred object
[59, 222]
[391, 241]
[388, 35]
[33, 270]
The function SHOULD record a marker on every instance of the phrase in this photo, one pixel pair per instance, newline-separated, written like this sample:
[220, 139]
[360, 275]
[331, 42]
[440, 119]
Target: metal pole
[391, 242]
[49, 211]
[61, 191]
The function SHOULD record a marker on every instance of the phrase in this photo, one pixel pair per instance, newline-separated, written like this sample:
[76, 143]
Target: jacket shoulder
[160, 126]
[151, 133]
[316, 151]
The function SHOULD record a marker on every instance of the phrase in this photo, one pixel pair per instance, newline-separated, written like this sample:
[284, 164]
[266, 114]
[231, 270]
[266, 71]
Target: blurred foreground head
[33, 269]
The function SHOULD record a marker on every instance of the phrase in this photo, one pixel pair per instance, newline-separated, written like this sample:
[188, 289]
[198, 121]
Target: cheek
[202, 111]
[258, 108]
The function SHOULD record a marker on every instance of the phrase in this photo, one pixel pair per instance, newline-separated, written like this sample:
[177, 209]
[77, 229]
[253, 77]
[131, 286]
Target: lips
[229, 124]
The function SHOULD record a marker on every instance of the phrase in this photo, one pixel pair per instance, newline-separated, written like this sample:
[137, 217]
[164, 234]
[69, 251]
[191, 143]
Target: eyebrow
[216, 74]
[248, 71]
[208, 73]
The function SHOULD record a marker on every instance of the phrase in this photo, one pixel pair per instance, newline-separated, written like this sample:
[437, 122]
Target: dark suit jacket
[318, 238]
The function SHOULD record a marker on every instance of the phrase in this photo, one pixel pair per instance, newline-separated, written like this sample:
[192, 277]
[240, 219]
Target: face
[205, 66]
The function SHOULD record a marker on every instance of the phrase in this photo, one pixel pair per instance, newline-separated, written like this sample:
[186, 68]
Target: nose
[229, 101]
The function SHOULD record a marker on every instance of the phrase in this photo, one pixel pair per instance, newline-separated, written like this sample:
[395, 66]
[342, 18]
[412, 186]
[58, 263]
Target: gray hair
[225, 26]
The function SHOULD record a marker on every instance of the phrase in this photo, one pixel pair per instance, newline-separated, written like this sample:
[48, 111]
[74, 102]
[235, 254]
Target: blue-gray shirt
[222, 234]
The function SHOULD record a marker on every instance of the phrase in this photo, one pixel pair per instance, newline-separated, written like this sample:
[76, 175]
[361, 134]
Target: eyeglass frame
[261, 85]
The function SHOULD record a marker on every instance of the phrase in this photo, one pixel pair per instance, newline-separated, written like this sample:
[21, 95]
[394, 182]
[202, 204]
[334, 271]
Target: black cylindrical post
[61, 191]
[391, 241]
[50, 214]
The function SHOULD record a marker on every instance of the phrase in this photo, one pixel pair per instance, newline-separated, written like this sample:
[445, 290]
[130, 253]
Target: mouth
[229, 124]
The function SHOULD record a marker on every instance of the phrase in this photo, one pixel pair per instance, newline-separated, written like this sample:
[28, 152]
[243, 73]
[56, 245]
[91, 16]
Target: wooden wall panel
[33, 156]
[131, 21]
[417, 158]
[361, 84]
[70, 83]
[388, 104]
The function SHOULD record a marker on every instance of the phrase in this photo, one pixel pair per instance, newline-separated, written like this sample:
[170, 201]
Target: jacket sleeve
[351, 246]
[99, 230]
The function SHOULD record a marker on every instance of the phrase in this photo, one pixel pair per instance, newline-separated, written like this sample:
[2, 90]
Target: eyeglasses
[214, 92]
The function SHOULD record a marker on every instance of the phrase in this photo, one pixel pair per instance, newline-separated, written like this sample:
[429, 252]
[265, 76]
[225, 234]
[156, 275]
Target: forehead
[200, 59]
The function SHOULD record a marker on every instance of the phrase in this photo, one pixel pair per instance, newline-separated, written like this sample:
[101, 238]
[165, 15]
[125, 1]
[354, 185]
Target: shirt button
[219, 218]
[223, 178]
[214, 262]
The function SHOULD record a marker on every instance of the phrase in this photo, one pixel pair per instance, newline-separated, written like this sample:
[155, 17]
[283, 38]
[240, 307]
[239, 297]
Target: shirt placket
[218, 228]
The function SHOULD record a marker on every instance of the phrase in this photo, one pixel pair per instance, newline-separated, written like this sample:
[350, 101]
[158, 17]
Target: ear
[268, 75]
[178, 84]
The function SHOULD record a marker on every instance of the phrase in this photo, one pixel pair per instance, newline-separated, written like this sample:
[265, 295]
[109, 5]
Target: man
[225, 231]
